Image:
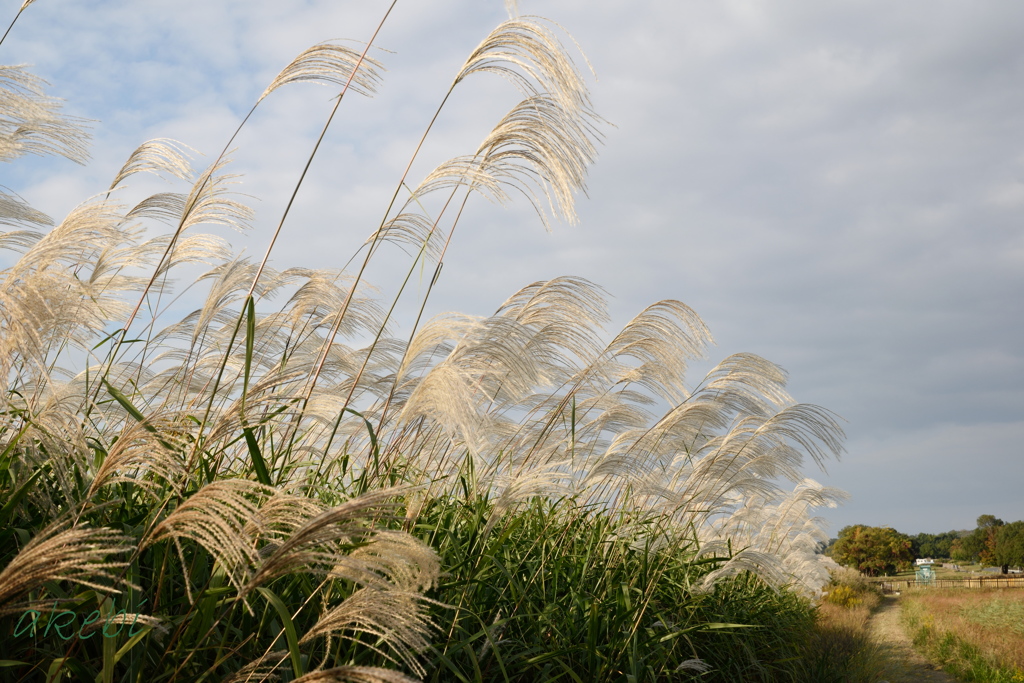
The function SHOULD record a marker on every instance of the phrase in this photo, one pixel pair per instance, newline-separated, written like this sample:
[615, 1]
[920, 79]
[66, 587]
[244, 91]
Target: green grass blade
[6, 455]
[289, 628]
[136, 413]
[132, 642]
[126, 403]
[257, 456]
[8, 509]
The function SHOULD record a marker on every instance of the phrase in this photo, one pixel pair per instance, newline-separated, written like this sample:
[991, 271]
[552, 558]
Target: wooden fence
[977, 582]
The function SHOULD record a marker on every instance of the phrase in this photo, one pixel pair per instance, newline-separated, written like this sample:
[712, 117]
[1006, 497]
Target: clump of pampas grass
[276, 501]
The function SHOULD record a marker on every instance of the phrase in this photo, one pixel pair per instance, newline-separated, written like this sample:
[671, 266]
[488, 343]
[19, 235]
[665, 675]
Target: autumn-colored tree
[988, 531]
[873, 550]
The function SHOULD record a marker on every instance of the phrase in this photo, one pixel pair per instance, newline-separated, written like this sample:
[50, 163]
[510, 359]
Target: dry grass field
[976, 634]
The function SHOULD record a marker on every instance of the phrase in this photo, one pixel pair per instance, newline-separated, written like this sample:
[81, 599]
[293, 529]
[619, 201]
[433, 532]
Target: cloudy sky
[838, 187]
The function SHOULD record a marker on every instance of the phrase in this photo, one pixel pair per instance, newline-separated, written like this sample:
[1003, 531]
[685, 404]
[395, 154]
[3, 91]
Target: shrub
[848, 587]
[844, 596]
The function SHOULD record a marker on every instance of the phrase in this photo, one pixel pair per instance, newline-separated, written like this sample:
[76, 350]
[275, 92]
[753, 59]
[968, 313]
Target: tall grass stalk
[240, 494]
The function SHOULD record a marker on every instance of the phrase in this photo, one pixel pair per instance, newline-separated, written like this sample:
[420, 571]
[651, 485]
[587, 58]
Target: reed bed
[292, 491]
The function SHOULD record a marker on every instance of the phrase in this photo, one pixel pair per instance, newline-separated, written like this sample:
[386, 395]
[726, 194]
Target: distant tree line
[994, 542]
[883, 550]
[935, 545]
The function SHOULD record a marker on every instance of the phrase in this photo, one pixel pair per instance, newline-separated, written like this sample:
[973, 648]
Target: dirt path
[906, 665]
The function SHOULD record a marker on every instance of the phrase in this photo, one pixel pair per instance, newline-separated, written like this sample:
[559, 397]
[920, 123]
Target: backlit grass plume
[304, 491]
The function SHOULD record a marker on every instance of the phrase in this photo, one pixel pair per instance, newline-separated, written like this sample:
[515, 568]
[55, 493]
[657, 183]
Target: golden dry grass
[841, 647]
[983, 618]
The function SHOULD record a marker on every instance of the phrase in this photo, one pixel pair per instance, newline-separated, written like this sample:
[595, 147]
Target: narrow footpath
[906, 664]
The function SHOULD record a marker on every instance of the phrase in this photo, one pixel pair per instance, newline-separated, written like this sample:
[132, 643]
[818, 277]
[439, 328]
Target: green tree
[987, 521]
[1009, 548]
[988, 529]
[984, 544]
[934, 545]
[967, 548]
[873, 550]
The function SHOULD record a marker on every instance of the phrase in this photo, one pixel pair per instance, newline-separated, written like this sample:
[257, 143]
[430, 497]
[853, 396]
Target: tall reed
[265, 494]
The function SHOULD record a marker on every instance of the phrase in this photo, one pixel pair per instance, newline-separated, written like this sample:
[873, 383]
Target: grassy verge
[976, 635]
[840, 648]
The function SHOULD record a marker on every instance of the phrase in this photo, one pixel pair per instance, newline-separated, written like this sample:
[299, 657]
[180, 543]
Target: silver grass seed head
[330, 63]
[152, 447]
[260, 670]
[210, 201]
[414, 232]
[57, 553]
[318, 544]
[528, 54]
[31, 122]
[15, 212]
[698, 665]
[157, 156]
[216, 517]
[543, 150]
[356, 674]
[398, 618]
